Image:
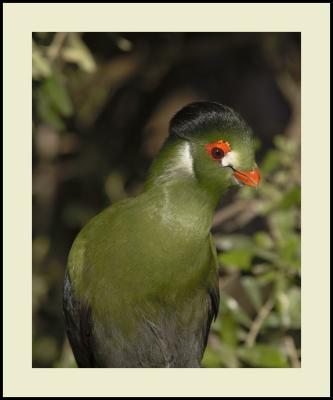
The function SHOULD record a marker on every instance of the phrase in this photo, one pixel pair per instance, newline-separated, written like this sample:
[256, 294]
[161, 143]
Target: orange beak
[250, 178]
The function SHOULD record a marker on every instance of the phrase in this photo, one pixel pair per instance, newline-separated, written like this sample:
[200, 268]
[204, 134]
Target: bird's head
[217, 143]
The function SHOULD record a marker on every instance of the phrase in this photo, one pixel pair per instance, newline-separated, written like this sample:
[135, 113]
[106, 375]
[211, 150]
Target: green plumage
[141, 287]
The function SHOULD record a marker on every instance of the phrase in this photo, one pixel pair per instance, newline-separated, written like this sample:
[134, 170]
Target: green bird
[141, 286]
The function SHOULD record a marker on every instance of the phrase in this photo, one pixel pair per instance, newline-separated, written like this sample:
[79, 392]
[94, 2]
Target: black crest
[200, 117]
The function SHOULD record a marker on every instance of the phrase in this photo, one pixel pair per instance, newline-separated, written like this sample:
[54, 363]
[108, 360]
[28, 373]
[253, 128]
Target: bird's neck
[173, 185]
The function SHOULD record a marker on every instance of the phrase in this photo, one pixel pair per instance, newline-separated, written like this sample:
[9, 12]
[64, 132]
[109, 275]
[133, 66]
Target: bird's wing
[78, 325]
[213, 292]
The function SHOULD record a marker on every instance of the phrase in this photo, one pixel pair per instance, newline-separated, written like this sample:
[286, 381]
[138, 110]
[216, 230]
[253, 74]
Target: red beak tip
[250, 178]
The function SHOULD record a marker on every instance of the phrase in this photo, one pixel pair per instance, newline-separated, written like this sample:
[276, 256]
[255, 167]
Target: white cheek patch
[185, 160]
[230, 159]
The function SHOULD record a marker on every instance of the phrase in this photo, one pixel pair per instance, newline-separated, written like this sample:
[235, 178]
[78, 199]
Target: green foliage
[263, 356]
[52, 100]
[252, 327]
[132, 84]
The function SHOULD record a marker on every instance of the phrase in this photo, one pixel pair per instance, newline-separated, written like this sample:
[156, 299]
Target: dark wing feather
[78, 323]
[213, 309]
[213, 293]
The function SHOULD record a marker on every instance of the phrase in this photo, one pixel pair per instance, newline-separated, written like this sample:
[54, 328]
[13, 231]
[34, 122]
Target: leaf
[247, 193]
[239, 252]
[271, 196]
[221, 355]
[77, 52]
[267, 255]
[216, 325]
[292, 197]
[211, 359]
[268, 277]
[58, 95]
[282, 305]
[282, 222]
[289, 308]
[289, 247]
[61, 364]
[229, 303]
[242, 248]
[272, 321]
[228, 356]
[40, 65]
[231, 242]
[264, 240]
[228, 330]
[287, 147]
[294, 295]
[270, 162]
[238, 259]
[253, 290]
[46, 112]
[264, 356]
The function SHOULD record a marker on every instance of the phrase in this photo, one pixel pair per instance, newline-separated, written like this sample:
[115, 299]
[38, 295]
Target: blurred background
[101, 107]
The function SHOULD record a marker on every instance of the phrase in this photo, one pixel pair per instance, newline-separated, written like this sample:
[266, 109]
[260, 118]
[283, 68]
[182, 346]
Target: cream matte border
[312, 20]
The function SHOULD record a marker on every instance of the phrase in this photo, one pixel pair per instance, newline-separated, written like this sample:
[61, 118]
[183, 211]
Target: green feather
[149, 261]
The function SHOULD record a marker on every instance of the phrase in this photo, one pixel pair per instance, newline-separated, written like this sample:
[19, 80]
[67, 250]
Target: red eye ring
[218, 150]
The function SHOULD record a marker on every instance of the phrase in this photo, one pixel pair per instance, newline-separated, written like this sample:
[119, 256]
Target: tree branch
[258, 321]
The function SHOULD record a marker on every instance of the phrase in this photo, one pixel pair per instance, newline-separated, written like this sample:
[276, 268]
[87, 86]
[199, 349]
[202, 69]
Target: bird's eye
[217, 153]
[217, 150]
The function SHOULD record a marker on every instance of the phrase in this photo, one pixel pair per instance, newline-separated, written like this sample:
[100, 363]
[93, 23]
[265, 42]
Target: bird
[141, 285]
